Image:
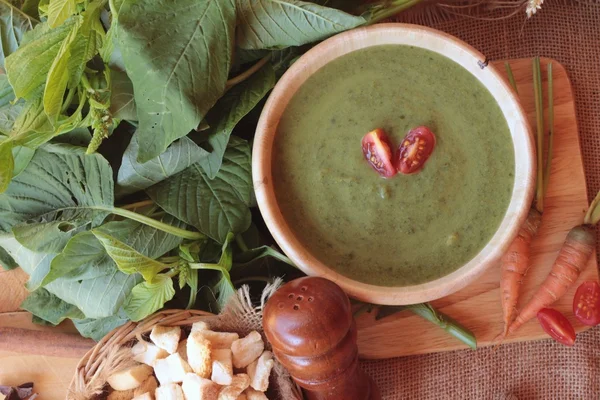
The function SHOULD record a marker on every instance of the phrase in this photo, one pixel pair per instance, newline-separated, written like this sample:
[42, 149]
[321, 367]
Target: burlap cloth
[569, 33]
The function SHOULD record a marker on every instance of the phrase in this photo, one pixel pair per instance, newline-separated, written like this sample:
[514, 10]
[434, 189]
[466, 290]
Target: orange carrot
[515, 264]
[572, 259]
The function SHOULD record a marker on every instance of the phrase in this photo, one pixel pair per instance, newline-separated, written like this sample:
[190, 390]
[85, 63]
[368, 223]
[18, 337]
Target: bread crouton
[147, 353]
[166, 337]
[252, 394]
[260, 370]
[149, 385]
[129, 378]
[198, 388]
[182, 350]
[116, 395]
[199, 350]
[220, 340]
[200, 326]
[144, 396]
[247, 349]
[239, 383]
[222, 367]
[171, 369]
[171, 391]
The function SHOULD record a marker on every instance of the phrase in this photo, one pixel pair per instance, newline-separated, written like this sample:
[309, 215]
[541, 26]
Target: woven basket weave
[94, 360]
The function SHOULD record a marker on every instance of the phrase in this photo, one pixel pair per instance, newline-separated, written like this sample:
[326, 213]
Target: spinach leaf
[98, 328]
[28, 67]
[148, 297]
[134, 176]
[229, 110]
[83, 257]
[21, 156]
[48, 236]
[50, 308]
[6, 158]
[215, 207]
[178, 56]
[59, 11]
[36, 265]
[8, 111]
[89, 40]
[145, 239]
[122, 103]
[13, 25]
[128, 260]
[6, 261]
[98, 297]
[59, 187]
[270, 24]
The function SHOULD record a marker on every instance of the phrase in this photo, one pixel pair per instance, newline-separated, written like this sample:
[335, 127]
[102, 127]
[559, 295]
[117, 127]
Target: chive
[511, 77]
[539, 113]
[426, 311]
[550, 129]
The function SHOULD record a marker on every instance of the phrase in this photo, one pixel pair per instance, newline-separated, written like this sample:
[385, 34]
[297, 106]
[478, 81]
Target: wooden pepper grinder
[310, 326]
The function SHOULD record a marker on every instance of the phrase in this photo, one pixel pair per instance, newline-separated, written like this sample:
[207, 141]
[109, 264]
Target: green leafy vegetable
[6, 261]
[229, 110]
[134, 176]
[21, 156]
[148, 297]
[122, 102]
[271, 24]
[8, 164]
[161, 41]
[8, 111]
[50, 308]
[98, 328]
[13, 25]
[59, 11]
[215, 207]
[129, 260]
[28, 67]
[58, 187]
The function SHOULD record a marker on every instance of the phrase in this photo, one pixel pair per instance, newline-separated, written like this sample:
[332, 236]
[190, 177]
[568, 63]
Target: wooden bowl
[468, 58]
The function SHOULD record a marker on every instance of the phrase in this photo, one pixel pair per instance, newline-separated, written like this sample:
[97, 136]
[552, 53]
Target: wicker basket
[94, 360]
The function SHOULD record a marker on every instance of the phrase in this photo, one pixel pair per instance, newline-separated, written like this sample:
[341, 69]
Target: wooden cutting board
[51, 362]
[478, 305]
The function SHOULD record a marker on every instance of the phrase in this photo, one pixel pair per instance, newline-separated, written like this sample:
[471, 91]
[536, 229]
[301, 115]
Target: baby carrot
[515, 264]
[572, 259]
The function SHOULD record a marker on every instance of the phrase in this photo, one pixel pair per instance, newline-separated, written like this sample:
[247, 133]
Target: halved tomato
[586, 303]
[378, 152]
[557, 326]
[414, 150]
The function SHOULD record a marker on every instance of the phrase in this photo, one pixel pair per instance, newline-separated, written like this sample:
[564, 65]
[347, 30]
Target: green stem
[282, 257]
[551, 129]
[386, 9]
[426, 311]
[172, 274]
[157, 224]
[511, 77]
[169, 259]
[241, 243]
[248, 73]
[139, 204]
[539, 113]
[68, 100]
[193, 284]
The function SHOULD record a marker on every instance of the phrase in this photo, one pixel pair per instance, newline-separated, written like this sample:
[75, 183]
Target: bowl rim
[459, 52]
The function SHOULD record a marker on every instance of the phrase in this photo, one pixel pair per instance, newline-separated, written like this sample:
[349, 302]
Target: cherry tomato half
[557, 326]
[378, 152]
[414, 150]
[586, 303]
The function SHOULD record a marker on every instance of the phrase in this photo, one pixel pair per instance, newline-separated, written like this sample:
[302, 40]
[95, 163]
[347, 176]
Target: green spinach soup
[407, 229]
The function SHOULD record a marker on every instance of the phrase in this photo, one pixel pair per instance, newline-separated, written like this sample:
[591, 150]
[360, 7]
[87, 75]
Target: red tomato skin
[377, 150]
[586, 303]
[414, 150]
[557, 326]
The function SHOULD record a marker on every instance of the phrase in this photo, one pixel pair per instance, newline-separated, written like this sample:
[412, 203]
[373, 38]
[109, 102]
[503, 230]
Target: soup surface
[408, 229]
